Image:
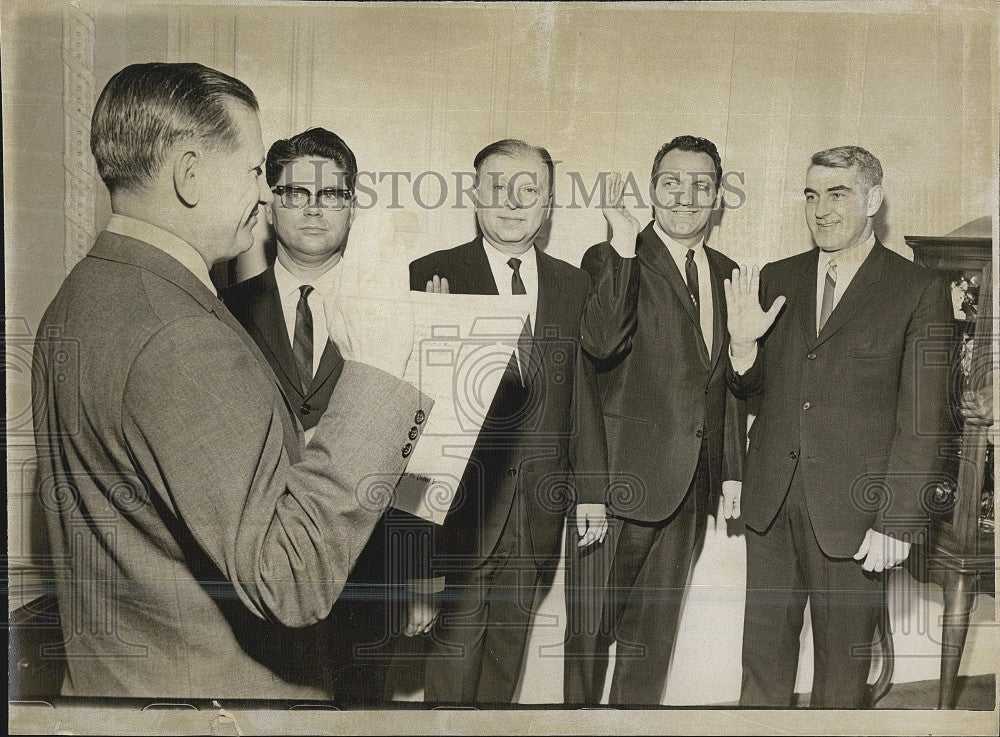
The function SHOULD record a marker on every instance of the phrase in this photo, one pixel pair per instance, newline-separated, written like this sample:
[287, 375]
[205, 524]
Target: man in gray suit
[200, 540]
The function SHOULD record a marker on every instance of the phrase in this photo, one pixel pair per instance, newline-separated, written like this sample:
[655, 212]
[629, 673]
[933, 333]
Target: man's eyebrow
[838, 188]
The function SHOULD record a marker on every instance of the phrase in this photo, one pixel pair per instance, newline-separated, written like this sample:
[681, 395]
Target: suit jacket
[257, 305]
[192, 527]
[661, 392]
[554, 458]
[859, 411]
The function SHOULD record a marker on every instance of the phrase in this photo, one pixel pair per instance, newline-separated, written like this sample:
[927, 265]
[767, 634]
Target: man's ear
[548, 205]
[352, 212]
[187, 183]
[875, 196]
[268, 213]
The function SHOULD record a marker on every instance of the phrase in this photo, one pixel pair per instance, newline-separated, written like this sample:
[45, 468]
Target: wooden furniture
[960, 554]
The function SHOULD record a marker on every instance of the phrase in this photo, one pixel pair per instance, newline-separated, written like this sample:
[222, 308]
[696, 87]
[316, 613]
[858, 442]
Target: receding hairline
[856, 168]
[525, 150]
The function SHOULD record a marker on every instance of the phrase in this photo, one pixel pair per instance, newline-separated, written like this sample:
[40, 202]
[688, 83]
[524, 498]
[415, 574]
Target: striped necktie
[829, 290]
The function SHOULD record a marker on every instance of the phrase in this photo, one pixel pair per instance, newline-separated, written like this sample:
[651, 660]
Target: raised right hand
[747, 319]
[625, 226]
[437, 285]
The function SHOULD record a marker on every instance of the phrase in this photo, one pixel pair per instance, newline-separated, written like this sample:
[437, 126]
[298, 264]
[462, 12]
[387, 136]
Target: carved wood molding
[78, 164]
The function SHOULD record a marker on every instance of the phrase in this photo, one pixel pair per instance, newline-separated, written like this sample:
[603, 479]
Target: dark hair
[691, 143]
[846, 157]
[513, 147]
[145, 109]
[318, 143]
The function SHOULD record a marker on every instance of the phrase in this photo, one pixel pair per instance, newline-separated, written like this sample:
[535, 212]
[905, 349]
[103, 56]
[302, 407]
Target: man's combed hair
[147, 108]
[514, 147]
[316, 144]
[691, 143]
[847, 157]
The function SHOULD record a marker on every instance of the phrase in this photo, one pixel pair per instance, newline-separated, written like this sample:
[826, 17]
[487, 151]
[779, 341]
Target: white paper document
[462, 345]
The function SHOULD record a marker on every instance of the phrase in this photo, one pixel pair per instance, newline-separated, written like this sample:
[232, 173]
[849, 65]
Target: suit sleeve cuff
[426, 585]
[743, 364]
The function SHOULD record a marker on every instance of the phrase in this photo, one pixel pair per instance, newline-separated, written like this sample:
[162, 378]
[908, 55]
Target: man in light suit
[501, 534]
[312, 175]
[846, 449]
[656, 324]
[198, 535]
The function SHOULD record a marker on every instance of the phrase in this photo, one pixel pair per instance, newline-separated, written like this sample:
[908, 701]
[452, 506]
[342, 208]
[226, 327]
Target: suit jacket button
[698, 433]
[407, 449]
[512, 471]
[811, 356]
[806, 405]
[419, 417]
[793, 455]
[305, 409]
[412, 434]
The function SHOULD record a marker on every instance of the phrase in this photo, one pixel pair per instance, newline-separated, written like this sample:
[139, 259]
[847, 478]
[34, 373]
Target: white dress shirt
[679, 253]
[170, 244]
[502, 273]
[848, 262]
[288, 291]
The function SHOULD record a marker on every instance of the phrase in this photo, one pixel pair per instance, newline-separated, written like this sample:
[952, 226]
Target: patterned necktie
[829, 289]
[302, 343]
[691, 272]
[524, 340]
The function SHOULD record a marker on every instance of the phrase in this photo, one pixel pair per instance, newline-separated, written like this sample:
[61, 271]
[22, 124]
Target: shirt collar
[289, 283]
[170, 244]
[675, 247]
[498, 257]
[848, 258]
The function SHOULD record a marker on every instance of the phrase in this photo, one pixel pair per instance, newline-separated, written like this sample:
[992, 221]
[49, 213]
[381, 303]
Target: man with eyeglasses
[312, 176]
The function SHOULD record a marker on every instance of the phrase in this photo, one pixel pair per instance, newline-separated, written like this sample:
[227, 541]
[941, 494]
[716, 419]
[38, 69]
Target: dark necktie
[524, 340]
[691, 272]
[302, 343]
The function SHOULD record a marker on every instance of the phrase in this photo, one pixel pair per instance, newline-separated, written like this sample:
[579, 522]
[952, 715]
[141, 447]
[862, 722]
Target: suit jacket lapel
[475, 269]
[131, 251]
[549, 306]
[269, 322]
[657, 256]
[719, 320]
[654, 252]
[328, 363]
[859, 292]
[806, 296]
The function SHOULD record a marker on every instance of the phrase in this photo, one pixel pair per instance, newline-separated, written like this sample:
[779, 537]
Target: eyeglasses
[295, 198]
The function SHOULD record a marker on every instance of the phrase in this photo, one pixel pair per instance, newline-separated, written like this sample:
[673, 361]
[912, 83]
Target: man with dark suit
[200, 541]
[312, 175]
[502, 531]
[656, 325]
[846, 448]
